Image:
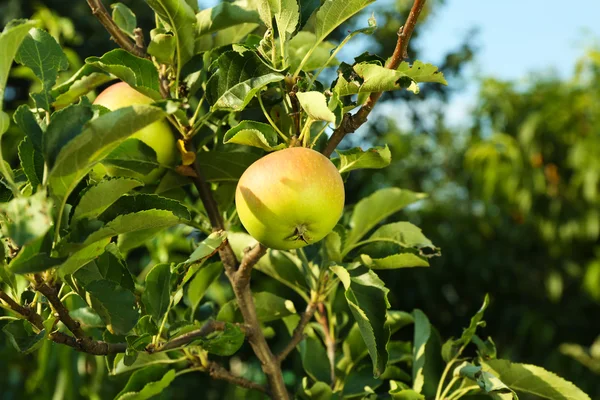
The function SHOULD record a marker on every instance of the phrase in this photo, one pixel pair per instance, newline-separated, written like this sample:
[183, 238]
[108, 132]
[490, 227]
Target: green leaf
[360, 381]
[138, 72]
[314, 358]
[269, 307]
[124, 18]
[375, 208]
[208, 247]
[133, 155]
[315, 106]
[26, 219]
[162, 46]
[356, 158]
[366, 295]
[369, 78]
[220, 166]
[99, 138]
[108, 266]
[476, 322]
[87, 317]
[225, 15]
[334, 12]
[44, 56]
[86, 79]
[533, 380]
[238, 78]
[22, 336]
[319, 391]
[422, 72]
[300, 44]
[201, 281]
[97, 198]
[141, 220]
[114, 304]
[279, 265]
[82, 257]
[395, 261]
[286, 14]
[10, 40]
[146, 383]
[34, 263]
[226, 342]
[143, 202]
[421, 337]
[64, 126]
[143, 360]
[157, 295]
[26, 120]
[179, 17]
[256, 134]
[32, 162]
[398, 392]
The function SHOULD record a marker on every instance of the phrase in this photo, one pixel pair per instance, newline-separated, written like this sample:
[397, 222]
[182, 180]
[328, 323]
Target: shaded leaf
[238, 78]
[97, 198]
[157, 295]
[44, 56]
[32, 162]
[366, 295]
[225, 15]
[146, 383]
[25, 219]
[133, 155]
[98, 139]
[201, 281]
[225, 166]
[208, 247]
[26, 120]
[421, 337]
[86, 79]
[269, 307]
[314, 358]
[114, 304]
[375, 208]
[299, 46]
[22, 336]
[124, 18]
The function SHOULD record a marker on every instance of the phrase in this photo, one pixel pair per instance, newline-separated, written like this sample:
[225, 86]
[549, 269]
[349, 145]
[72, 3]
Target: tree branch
[86, 345]
[298, 333]
[206, 329]
[240, 281]
[216, 371]
[350, 123]
[60, 309]
[116, 33]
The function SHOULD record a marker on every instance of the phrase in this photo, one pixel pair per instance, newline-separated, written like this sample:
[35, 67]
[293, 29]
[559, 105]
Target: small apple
[290, 198]
[157, 135]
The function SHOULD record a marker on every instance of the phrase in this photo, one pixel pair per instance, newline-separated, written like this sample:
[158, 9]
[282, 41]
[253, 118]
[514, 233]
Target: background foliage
[514, 204]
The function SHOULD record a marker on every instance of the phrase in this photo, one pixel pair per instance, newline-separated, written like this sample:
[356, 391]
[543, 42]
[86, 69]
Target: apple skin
[157, 135]
[290, 198]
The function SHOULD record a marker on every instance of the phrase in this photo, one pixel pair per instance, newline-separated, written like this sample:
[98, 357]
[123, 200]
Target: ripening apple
[290, 198]
[157, 135]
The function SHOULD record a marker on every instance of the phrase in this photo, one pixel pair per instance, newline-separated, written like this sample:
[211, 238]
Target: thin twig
[298, 333]
[206, 329]
[85, 345]
[60, 309]
[329, 340]
[218, 372]
[350, 123]
[120, 37]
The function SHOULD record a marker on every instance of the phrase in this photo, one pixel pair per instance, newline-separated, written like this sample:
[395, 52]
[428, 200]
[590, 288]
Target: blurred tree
[515, 205]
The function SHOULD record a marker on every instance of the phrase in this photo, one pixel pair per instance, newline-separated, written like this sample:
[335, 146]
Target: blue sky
[516, 36]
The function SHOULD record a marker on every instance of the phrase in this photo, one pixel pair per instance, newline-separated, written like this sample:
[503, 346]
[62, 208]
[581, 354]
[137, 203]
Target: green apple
[290, 198]
[157, 135]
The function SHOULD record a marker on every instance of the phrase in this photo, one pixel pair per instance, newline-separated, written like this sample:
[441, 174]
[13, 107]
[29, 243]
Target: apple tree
[126, 212]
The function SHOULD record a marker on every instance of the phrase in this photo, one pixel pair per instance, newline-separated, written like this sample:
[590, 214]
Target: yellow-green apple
[157, 135]
[290, 198]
